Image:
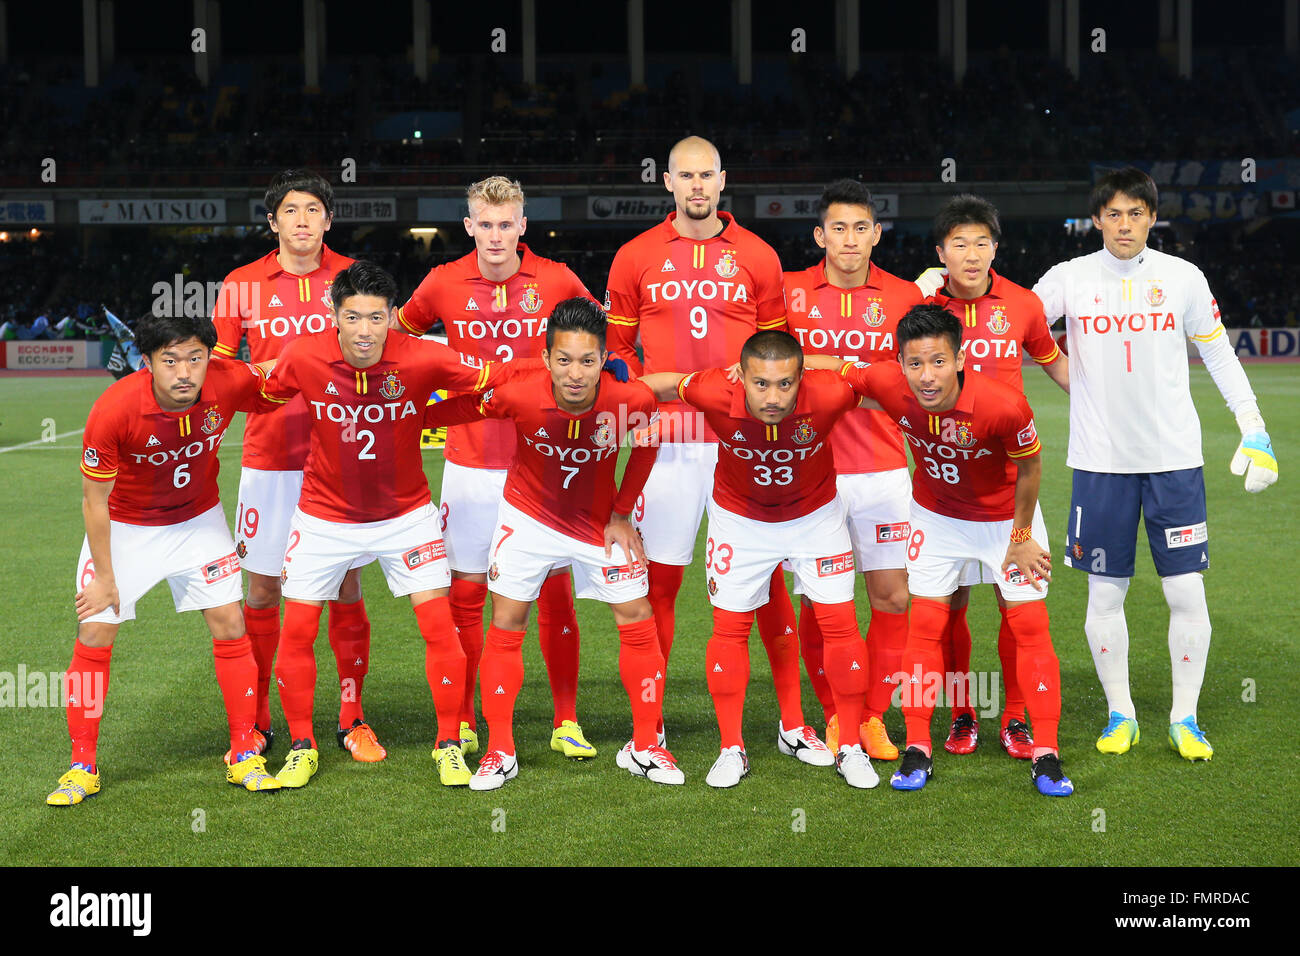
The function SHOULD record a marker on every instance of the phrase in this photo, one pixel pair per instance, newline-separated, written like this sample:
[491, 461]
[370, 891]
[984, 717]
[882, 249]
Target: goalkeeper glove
[931, 280]
[1254, 457]
[618, 368]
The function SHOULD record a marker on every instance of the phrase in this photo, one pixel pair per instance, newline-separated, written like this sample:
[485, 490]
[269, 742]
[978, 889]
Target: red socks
[641, 666]
[349, 633]
[1037, 669]
[263, 627]
[886, 636]
[956, 662]
[502, 674]
[923, 664]
[846, 664]
[810, 646]
[557, 628]
[444, 665]
[85, 686]
[665, 582]
[467, 600]
[1015, 705]
[237, 676]
[295, 668]
[727, 664]
[776, 628]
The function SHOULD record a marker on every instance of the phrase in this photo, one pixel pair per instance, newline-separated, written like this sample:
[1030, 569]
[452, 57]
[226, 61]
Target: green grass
[163, 730]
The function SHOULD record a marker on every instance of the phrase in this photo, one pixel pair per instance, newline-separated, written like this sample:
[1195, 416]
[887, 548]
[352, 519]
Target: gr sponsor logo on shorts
[429, 551]
[898, 531]
[835, 564]
[221, 568]
[1187, 536]
[623, 572]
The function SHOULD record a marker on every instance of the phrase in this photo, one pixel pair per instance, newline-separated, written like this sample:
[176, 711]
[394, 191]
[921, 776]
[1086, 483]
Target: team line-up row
[803, 464]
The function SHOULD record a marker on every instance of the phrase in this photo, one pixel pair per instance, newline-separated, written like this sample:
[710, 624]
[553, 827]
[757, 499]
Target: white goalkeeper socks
[1189, 640]
[1107, 632]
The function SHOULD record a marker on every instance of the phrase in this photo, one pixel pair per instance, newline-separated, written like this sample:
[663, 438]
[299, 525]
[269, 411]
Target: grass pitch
[165, 801]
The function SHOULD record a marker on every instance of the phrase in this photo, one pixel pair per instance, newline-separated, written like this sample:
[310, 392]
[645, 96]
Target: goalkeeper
[1135, 443]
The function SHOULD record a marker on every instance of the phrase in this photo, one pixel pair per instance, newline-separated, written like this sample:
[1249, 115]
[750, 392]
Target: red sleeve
[418, 315]
[250, 389]
[226, 318]
[770, 293]
[460, 410]
[1039, 342]
[99, 442]
[458, 372]
[689, 388]
[282, 384]
[1021, 437]
[623, 310]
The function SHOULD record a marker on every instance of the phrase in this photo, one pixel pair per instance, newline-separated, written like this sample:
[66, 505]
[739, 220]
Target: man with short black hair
[1135, 443]
[152, 512]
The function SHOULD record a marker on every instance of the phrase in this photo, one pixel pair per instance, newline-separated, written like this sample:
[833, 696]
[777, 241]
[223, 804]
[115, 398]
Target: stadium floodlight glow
[35, 233]
[424, 230]
[418, 134]
[4, 237]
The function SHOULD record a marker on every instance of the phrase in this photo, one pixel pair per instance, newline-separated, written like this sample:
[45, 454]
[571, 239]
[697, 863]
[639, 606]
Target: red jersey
[273, 307]
[365, 463]
[964, 466]
[563, 473]
[855, 324]
[771, 472]
[495, 321]
[693, 302]
[1000, 327]
[164, 464]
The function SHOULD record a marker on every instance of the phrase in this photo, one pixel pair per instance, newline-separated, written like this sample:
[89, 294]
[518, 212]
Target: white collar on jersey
[1123, 267]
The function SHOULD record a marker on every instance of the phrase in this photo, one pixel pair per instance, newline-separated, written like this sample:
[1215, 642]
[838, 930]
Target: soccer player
[273, 301]
[494, 304]
[561, 507]
[973, 495]
[1001, 323]
[693, 288]
[150, 501]
[365, 496]
[774, 499]
[1135, 443]
[847, 305]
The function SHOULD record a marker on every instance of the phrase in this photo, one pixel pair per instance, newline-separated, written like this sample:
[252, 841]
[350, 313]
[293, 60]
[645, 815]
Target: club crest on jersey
[963, 437]
[531, 300]
[875, 314]
[713, 585]
[241, 549]
[804, 433]
[1077, 551]
[607, 304]
[325, 299]
[91, 458]
[997, 322]
[211, 420]
[494, 572]
[284, 574]
[392, 387]
[603, 435]
[1155, 292]
[726, 267]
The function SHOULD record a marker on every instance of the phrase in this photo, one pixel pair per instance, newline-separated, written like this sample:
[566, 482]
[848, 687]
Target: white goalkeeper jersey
[1127, 324]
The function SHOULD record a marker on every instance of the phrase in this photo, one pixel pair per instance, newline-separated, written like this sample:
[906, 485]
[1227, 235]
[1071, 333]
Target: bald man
[692, 289]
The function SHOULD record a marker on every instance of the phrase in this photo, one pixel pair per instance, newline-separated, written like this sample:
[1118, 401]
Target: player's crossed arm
[663, 384]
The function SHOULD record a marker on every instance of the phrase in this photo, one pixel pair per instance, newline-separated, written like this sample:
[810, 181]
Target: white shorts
[196, 557]
[470, 497]
[267, 500]
[741, 554]
[669, 510]
[975, 572]
[525, 552]
[878, 504]
[941, 548]
[319, 553]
